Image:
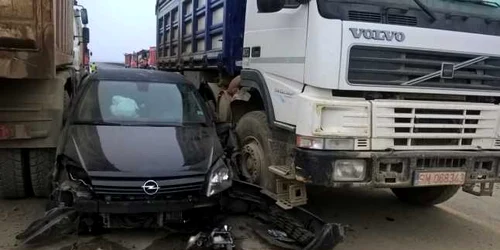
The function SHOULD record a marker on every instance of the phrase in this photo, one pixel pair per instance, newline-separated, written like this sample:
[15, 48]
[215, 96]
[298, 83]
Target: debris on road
[290, 229]
[219, 238]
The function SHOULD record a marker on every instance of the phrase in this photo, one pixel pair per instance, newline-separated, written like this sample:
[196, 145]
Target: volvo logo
[380, 35]
[150, 187]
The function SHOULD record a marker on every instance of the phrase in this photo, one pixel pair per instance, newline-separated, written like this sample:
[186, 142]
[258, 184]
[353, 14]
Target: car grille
[124, 187]
[434, 125]
[391, 66]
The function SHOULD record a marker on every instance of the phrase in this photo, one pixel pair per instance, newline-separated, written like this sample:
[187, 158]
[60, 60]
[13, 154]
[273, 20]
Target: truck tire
[41, 162]
[253, 135]
[13, 174]
[425, 196]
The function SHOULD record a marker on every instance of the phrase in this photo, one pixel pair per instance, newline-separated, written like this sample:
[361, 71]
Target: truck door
[275, 46]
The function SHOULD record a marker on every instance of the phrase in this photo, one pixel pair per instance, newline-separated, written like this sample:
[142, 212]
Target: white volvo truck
[399, 94]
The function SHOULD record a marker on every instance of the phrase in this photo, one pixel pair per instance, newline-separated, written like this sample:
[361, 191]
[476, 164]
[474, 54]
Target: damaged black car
[141, 149]
[142, 146]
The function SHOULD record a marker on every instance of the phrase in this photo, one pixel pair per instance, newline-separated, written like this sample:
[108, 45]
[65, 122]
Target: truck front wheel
[253, 134]
[425, 196]
[13, 174]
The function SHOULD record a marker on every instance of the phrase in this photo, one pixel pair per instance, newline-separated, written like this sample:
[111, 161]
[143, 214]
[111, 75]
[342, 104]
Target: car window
[125, 102]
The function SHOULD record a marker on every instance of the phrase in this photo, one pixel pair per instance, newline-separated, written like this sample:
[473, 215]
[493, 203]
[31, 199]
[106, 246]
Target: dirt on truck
[42, 46]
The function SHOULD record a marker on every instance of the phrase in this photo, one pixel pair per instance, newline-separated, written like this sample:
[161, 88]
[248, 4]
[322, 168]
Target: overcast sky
[120, 26]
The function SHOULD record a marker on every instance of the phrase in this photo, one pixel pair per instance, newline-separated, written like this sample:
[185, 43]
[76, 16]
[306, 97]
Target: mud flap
[308, 231]
[56, 223]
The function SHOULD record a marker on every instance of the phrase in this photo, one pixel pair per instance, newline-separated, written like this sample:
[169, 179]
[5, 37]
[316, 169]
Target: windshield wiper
[425, 9]
[481, 2]
[97, 123]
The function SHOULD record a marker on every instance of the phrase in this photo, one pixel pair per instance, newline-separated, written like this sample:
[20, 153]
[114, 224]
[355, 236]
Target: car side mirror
[84, 16]
[270, 6]
[85, 35]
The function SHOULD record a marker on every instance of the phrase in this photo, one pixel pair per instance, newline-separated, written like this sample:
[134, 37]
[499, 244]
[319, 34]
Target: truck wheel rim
[252, 160]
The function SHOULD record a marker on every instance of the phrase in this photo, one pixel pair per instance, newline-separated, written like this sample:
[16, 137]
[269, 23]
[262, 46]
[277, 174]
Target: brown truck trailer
[40, 68]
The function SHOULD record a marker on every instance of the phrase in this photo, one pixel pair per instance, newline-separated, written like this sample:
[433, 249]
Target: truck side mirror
[84, 16]
[270, 6]
[86, 35]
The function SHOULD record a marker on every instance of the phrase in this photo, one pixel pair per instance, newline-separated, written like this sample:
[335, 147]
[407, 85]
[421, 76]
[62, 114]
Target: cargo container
[200, 35]
[42, 51]
[152, 58]
[143, 58]
[134, 61]
[128, 60]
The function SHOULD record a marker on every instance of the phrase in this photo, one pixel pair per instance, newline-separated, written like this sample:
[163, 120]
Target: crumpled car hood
[143, 151]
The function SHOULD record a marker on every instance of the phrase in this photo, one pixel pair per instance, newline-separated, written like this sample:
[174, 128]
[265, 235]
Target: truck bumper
[393, 169]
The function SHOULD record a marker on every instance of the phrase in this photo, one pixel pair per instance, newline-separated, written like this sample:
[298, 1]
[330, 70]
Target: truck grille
[433, 125]
[390, 66]
[374, 17]
[436, 162]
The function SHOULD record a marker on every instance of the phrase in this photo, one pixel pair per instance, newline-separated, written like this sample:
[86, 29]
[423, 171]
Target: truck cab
[344, 93]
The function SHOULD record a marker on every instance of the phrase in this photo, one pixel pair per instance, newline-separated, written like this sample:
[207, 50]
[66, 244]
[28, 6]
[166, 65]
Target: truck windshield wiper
[425, 9]
[481, 2]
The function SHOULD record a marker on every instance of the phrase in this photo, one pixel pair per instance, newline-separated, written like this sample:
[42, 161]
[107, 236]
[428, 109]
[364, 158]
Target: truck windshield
[139, 103]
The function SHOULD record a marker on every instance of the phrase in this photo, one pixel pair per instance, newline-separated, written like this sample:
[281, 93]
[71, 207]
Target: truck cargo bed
[200, 34]
[36, 36]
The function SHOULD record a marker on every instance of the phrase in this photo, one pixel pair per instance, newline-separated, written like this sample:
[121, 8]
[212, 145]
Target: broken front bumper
[393, 169]
[306, 229]
[136, 207]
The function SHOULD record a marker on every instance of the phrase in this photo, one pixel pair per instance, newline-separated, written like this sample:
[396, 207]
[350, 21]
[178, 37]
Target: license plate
[439, 178]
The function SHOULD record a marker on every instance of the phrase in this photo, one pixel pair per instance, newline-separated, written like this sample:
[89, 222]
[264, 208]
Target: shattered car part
[303, 230]
[56, 222]
[279, 235]
[219, 238]
[307, 230]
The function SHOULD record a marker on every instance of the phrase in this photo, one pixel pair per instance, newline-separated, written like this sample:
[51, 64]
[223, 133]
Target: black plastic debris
[219, 238]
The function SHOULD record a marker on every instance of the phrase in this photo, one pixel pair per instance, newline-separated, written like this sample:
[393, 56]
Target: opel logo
[150, 187]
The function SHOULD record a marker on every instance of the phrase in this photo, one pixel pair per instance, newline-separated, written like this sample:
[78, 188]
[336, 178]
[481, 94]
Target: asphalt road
[377, 221]
[109, 65]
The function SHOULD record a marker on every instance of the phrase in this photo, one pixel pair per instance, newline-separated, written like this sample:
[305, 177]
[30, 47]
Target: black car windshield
[140, 103]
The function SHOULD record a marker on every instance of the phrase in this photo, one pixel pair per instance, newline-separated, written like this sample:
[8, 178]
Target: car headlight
[219, 179]
[78, 174]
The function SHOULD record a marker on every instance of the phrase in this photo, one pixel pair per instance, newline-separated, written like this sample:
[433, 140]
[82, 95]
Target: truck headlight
[219, 179]
[349, 170]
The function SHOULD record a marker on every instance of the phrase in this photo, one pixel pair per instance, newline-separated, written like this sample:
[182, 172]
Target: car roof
[139, 75]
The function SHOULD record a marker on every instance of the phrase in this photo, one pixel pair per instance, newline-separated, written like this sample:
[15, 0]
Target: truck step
[285, 172]
[290, 193]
